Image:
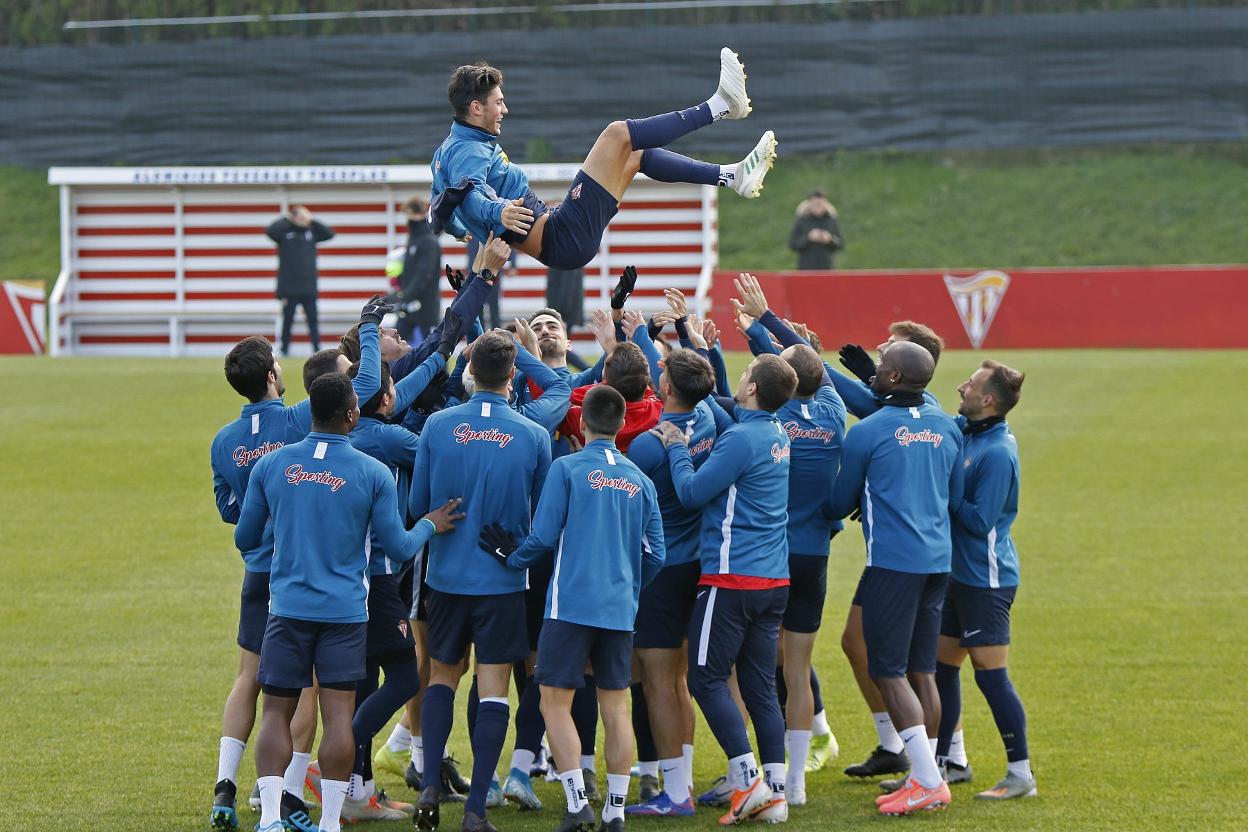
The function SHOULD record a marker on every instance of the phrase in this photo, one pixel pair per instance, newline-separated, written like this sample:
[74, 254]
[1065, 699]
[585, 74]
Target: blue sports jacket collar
[260, 407]
[489, 397]
[602, 444]
[463, 130]
[744, 414]
[337, 438]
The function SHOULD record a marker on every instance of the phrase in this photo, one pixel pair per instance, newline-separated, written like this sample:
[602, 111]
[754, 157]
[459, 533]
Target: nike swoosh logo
[661, 811]
[911, 802]
[972, 632]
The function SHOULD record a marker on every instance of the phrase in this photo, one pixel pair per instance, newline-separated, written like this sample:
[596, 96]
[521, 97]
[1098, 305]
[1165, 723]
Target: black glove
[856, 514]
[498, 542]
[456, 278]
[375, 310]
[624, 288]
[452, 331]
[855, 359]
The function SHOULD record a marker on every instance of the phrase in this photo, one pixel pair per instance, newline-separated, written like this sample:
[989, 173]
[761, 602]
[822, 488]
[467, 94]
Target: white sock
[270, 800]
[522, 760]
[773, 773]
[587, 761]
[742, 771]
[798, 743]
[651, 768]
[617, 793]
[957, 749]
[400, 739]
[333, 792]
[1022, 768]
[718, 105]
[687, 750]
[296, 772]
[574, 789]
[228, 758]
[932, 742]
[819, 727]
[418, 753]
[356, 788]
[922, 759]
[889, 739]
[728, 175]
[675, 779]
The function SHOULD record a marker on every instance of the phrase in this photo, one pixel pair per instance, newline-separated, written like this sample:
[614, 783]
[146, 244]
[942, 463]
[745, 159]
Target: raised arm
[695, 489]
[321, 232]
[548, 409]
[414, 383]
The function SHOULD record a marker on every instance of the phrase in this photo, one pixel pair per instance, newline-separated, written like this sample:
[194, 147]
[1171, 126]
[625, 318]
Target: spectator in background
[565, 292]
[816, 236]
[419, 291]
[297, 235]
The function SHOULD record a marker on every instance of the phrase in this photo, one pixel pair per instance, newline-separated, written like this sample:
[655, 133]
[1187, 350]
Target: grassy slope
[117, 634]
[1002, 209]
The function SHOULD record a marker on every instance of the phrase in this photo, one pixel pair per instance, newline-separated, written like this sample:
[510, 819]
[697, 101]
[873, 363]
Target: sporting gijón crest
[977, 299]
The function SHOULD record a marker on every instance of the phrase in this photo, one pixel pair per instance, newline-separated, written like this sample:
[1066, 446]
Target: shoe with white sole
[823, 750]
[746, 802]
[1010, 787]
[795, 795]
[746, 177]
[732, 86]
[777, 811]
[371, 808]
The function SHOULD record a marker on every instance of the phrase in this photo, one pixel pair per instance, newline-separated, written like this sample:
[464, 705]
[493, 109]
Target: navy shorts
[565, 648]
[294, 647]
[665, 607]
[901, 620]
[808, 586]
[857, 602]
[535, 599]
[574, 229]
[494, 624]
[253, 611]
[738, 627]
[978, 616]
[389, 631]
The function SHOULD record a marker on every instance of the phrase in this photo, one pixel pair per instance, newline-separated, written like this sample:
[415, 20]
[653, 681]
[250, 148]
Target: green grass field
[117, 639]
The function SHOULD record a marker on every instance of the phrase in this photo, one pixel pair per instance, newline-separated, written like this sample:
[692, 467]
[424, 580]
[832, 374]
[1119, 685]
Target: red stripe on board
[97, 275]
[96, 297]
[695, 248]
[229, 295]
[263, 252]
[657, 226]
[270, 208]
[659, 206]
[127, 252]
[125, 209]
[124, 339]
[231, 274]
[224, 230]
[124, 232]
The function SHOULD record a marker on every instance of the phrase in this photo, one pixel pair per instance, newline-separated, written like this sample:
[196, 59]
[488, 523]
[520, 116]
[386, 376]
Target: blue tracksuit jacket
[744, 485]
[682, 527]
[323, 496]
[983, 550]
[266, 426]
[471, 153]
[496, 460]
[600, 515]
[816, 430]
[395, 447]
[902, 467]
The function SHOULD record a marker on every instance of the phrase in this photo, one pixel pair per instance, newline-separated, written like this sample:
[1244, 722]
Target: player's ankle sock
[574, 789]
[418, 753]
[585, 715]
[270, 800]
[798, 743]
[400, 739]
[522, 760]
[949, 686]
[815, 692]
[436, 716]
[922, 760]
[957, 749]
[356, 789]
[686, 751]
[773, 773]
[493, 716]
[675, 779]
[665, 166]
[529, 723]
[646, 751]
[296, 772]
[1019, 768]
[650, 767]
[333, 793]
[742, 770]
[228, 758]
[819, 727]
[889, 739]
[661, 130]
[1007, 711]
[617, 794]
[587, 761]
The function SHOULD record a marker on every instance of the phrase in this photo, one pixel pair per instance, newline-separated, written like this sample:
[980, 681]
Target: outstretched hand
[632, 320]
[492, 256]
[444, 516]
[455, 277]
[753, 300]
[376, 309]
[857, 361]
[624, 287]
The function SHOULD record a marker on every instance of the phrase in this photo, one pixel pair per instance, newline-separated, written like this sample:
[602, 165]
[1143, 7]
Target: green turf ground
[116, 634]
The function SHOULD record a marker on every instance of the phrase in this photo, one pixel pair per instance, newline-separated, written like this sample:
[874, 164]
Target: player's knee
[849, 644]
[616, 134]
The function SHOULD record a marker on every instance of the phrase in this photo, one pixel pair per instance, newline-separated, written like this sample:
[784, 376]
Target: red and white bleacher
[174, 261]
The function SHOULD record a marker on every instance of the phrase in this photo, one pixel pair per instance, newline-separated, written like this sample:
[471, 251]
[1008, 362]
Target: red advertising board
[1163, 307]
[21, 317]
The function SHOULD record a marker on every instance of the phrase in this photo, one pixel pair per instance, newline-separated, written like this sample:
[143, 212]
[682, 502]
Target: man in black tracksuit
[297, 236]
[816, 235]
[418, 284]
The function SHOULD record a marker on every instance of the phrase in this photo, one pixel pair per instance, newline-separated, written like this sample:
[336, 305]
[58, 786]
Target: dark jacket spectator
[297, 236]
[816, 236]
[422, 271]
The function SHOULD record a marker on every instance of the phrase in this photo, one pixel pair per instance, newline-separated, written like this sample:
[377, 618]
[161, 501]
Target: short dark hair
[417, 205]
[349, 344]
[1005, 385]
[546, 310]
[774, 381]
[627, 370]
[469, 83]
[808, 366]
[331, 396]
[690, 375]
[247, 367]
[493, 356]
[920, 334]
[370, 407]
[325, 361]
[603, 410]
